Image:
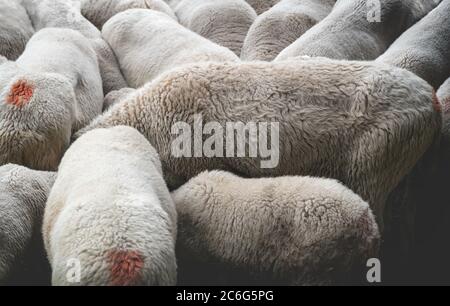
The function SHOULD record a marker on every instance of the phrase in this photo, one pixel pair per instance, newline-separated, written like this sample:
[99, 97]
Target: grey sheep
[358, 29]
[280, 26]
[15, 29]
[224, 22]
[425, 48]
[261, 6]
[23, 194]
[444, 97]
[116, 96]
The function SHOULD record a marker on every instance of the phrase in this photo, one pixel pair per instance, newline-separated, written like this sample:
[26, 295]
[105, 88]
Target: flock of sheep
[89, 93]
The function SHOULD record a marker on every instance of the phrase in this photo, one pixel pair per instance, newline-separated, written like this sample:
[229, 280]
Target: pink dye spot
[436, 104]
[125, 267]
[20, 94]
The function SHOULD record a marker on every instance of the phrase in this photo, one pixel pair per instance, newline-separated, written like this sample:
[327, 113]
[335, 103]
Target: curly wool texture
[261, 6]
[100, 11]
[341, 120]
[225, 23]
[51, 91]
[139, 39]
[111, 210]
[15, 29]
[283, 24]
[23, 193]
[425, 48]
[280, 231]
[351, 30]
[67, 14]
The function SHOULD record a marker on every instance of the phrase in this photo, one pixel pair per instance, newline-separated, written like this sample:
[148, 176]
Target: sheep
[52, 90]
[283, 24]
[444, 96]
[110, 213]
[358, 29]
[23, 193]
[139, 39]
[224, 22]
[425, 48]
[100, 11]
[261, 6]
[272, 231]
[173, 3]
[116, 96]
[67, 14]
[15, 29]
[337, 119]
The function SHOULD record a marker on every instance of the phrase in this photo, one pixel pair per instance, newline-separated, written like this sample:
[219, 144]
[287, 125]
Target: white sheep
[67, 14]
[272, 231]
[280, 26]
[337, 119]
[52, 90]
[148, 43]
[110, 214]
[100, 11]
[358, 29]
[224, 22]
[425, 48]
[23, 194]
[261, 6]
[15, 29]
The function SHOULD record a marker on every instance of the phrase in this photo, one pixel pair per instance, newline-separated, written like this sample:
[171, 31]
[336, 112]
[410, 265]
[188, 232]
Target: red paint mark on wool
[125, 267]
[20, 94]
[436, 104]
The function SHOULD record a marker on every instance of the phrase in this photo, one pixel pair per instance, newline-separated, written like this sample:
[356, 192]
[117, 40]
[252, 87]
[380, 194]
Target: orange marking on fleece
[436, 104]
[20, 94]
[125, 267]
